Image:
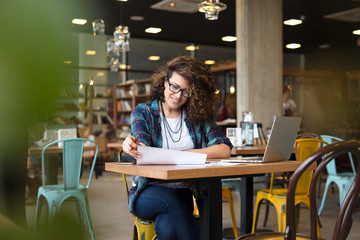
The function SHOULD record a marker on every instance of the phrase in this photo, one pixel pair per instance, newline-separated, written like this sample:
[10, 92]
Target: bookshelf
[126, 96]
[70, 109]
[101, 110]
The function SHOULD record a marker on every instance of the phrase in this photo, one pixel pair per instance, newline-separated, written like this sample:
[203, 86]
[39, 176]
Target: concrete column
[259, 59]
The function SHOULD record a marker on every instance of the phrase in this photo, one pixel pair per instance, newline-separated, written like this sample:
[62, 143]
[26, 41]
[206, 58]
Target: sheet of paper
[151, 155]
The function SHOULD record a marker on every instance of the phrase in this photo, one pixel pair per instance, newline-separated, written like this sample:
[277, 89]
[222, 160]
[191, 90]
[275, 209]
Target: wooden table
[52, 165]
[209, 179]
[34, 150]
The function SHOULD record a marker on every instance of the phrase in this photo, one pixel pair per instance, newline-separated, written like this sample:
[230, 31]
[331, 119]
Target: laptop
[280, 144]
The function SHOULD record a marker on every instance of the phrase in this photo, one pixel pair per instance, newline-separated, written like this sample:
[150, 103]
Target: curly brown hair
[199, 107]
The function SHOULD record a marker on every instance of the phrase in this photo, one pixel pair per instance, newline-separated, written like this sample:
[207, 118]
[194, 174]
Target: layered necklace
[168, 129]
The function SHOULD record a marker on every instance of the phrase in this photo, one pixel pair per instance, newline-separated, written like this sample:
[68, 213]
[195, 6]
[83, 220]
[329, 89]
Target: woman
[178, 117]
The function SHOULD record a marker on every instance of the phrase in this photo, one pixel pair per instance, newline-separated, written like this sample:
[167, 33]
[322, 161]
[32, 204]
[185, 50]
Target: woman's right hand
[130, 147]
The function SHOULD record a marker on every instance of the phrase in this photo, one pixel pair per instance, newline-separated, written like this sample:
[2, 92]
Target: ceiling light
[192, 48]
[229, 38]
[209, 62]
[324, 46]
[79, 21]
[153, 30]
[90, 52]
[137, 18]
[211, 8]
[356, 32]
[154, 58]
[293, 45]
[124, 66]
[293, 22]
[172, 4]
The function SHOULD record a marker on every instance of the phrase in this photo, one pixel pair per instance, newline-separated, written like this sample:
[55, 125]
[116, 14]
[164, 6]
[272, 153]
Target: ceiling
[315, 32]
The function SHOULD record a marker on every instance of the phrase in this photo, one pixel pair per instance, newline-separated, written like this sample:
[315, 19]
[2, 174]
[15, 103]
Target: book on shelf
[99, 118]
[124, 120]
[123, 92]
[123, 105]
[143, 88]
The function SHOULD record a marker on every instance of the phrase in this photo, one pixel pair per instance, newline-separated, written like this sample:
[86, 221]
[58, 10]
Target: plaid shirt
[146, 124]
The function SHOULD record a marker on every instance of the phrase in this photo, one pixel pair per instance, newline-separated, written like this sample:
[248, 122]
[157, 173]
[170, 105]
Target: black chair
[344, 219]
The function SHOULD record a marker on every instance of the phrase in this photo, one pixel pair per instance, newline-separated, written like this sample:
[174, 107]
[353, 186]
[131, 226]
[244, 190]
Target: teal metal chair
[342, 180]
[55, 195]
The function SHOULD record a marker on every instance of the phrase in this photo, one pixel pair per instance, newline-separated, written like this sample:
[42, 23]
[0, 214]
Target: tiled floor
[112, 221]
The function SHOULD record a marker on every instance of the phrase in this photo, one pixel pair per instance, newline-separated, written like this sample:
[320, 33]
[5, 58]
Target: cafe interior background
[322, 73]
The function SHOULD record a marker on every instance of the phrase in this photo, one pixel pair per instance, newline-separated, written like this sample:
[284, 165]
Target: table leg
[210, 209]
[246, 204]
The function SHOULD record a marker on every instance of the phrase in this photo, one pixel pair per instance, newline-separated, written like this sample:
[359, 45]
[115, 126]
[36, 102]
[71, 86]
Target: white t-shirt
[185, 143]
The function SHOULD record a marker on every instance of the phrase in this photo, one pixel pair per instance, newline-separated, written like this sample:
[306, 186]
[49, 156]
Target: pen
[135, 141]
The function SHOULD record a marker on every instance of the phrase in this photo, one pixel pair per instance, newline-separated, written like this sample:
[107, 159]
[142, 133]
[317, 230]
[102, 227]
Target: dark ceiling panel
[194, 28]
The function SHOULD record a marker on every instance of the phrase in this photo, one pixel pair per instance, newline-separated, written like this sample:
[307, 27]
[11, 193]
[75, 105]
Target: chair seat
[60, 188]
[271, 236]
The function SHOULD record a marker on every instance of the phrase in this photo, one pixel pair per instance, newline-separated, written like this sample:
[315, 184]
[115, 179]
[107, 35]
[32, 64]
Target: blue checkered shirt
[146, 124]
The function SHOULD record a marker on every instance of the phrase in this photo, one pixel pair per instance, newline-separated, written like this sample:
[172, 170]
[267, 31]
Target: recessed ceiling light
[293, 45]
[137, 18]
[356, 32]
[324, 46]
[153, 30]
[90, 52]
[209, 62]
[67, 62]
[79, 21]
[192, 48]
[124, 66]
[154, 58]
[293, 22]
[229, 38]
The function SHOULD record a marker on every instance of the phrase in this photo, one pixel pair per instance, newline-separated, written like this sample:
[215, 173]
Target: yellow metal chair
[305, 147]
[226, 193]
[144, 229]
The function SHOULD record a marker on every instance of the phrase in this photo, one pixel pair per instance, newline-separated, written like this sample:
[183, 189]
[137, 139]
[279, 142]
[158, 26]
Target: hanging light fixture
[98, 26]
[121, 38]
[211, 8]
[118, 45]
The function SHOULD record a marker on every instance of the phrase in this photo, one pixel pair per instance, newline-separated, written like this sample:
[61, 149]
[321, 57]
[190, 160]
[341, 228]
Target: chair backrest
[72, 150]
[306, 147]
[323, 156]
[308, 135]
[331, 167]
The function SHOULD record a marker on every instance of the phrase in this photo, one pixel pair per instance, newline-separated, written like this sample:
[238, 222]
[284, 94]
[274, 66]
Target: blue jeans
[172, 210]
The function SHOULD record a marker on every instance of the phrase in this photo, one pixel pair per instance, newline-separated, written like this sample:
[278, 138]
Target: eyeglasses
[175, 89]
